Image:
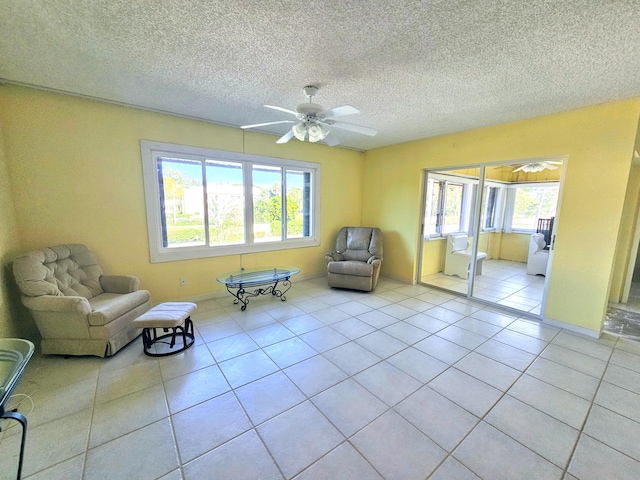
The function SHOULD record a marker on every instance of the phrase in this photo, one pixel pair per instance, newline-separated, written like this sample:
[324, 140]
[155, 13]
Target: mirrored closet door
[504, 216]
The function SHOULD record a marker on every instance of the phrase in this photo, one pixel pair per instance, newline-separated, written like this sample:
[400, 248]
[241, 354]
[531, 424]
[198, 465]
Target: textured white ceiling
[414, 68]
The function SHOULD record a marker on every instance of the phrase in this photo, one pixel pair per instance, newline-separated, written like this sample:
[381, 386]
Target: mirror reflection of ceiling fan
[313, 121]
[537, 167]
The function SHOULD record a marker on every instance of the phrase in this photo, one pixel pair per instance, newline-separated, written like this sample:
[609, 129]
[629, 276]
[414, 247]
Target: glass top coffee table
[14, 355]
[246, 283]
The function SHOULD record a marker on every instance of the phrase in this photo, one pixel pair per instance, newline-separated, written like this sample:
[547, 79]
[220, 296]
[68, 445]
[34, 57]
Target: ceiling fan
[538, 167]
[313, 120]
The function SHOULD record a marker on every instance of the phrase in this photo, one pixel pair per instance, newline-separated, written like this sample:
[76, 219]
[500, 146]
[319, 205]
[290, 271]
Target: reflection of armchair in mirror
[538, 255]
[458, 257]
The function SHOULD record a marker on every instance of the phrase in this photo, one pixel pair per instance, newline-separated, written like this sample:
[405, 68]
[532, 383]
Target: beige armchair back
[355, 263]
[77, 309]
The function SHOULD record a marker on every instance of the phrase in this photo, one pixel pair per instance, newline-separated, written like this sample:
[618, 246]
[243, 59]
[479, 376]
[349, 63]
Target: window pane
[532, 203]
[433, 203]
[453, 208]
[182, 202]
[298, 204]
[489, 208]
[225, 196]
[267, 204]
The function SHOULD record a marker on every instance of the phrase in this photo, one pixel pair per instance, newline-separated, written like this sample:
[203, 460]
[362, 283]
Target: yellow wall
[76, 173]
[12, 320]
[591, 137]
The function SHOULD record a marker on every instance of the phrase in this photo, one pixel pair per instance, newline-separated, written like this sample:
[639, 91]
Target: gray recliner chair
[356, 261]
[77, 309]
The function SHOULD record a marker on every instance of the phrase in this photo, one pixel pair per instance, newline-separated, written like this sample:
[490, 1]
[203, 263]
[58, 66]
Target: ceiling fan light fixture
[317, 132]
[300, 131]
[534, 167]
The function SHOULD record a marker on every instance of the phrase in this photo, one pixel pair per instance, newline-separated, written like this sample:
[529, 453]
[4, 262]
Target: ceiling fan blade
[255, 125]
[355, 128]
[518, 169]
[282, 109]
[286, 137]
[340, 111]
[550, 167]
[331, 140]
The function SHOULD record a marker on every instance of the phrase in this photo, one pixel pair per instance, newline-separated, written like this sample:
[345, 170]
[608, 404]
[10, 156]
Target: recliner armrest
[333, 257]
[119, 283]
[54, 303]
[375, 260]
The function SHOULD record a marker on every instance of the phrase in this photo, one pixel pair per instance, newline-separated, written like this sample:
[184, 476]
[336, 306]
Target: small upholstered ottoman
[174, 316]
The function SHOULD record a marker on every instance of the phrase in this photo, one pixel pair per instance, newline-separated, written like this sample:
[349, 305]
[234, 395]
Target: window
[203, 203]
[527, 203]
[492, 207]
[448, 206]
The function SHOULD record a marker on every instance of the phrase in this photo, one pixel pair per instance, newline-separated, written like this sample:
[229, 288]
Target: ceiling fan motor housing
[309, 108]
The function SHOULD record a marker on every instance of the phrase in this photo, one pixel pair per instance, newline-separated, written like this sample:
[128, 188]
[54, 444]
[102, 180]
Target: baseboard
[572, 328]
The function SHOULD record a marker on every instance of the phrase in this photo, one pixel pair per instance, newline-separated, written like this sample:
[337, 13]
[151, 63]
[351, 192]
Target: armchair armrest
[119, 283]
[53, 303]
[375, 260]
[333, 257]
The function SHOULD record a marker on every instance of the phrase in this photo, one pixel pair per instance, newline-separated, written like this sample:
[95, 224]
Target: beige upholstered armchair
[355, 263]
[77, 309]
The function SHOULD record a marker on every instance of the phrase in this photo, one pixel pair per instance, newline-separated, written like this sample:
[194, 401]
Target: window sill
[192, 253]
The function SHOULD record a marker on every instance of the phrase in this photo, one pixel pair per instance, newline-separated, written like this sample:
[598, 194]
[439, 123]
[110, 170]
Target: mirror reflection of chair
[458, 256]
[355, 263]
[538, 256]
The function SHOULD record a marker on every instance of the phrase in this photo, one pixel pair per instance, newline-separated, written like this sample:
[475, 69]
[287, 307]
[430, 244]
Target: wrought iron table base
[239, 290]
[18, 417]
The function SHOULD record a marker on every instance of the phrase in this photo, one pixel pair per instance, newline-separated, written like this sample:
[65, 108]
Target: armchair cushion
[361, 269]
[108, 306]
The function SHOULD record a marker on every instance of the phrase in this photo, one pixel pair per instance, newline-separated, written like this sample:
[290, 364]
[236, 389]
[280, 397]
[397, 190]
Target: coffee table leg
[239, 297]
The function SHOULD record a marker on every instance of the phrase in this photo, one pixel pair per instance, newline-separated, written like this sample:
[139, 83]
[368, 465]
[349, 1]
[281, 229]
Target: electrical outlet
[183, 282]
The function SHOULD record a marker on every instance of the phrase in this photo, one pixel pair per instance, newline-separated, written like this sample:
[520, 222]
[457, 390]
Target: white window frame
[468, 193]
[511, 200]
[499, 206]
[151, 150]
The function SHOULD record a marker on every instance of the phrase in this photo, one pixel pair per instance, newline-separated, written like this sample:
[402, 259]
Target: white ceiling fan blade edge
[282, 109]
[331, 140]
[256, 125]
[286, 137]
[340, 111]
[356, 128]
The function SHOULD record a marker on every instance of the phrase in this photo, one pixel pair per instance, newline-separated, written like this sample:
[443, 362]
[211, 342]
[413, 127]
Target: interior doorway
[504, 215]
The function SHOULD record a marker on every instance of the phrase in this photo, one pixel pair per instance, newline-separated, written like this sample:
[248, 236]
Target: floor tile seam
[481, 419]
[571, 368]
[271, 454]
[587, 416]
[585, 434]
[346, 441]
[504, 394]
[254, 427]
[93, 409]
[173, 429]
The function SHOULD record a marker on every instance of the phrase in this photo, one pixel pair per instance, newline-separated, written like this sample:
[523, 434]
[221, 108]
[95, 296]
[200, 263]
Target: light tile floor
[407, 382]
[503, 282]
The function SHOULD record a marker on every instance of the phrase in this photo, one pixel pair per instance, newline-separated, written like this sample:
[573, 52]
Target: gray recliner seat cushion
[360, 269]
